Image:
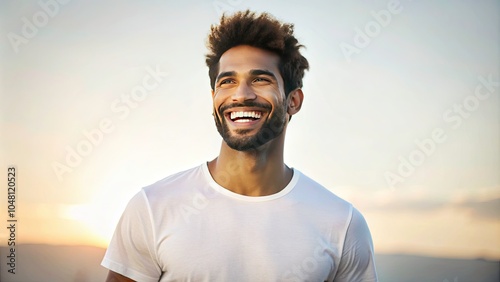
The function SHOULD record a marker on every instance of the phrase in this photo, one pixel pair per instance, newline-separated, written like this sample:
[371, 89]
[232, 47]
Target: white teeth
[245, 115]
[243, 120]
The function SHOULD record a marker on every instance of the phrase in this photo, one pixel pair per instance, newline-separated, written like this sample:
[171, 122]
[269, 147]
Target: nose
[243, 93]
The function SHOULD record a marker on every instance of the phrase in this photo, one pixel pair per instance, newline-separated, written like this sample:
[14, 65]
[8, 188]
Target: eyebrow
[253, 72]
[263, 72]
[225, 74]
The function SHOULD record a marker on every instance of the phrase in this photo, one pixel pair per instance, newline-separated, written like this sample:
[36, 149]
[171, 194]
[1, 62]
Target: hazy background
[371, 101]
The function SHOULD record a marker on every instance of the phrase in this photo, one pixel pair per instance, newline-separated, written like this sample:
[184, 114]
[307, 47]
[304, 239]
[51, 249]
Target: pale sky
[401, 112]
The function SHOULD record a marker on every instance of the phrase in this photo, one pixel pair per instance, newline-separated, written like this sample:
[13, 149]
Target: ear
[213, 92]
[295, 100]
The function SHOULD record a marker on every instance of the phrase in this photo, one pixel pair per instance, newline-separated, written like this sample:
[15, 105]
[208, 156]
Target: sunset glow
[103, 100]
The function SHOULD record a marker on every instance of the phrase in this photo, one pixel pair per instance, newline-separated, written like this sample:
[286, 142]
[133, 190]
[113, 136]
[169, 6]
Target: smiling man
[246, 215]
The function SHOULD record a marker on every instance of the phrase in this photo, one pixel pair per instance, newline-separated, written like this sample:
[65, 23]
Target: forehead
[244, 58]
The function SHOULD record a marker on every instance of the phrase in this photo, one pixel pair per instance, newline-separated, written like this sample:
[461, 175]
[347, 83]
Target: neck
[258, 172]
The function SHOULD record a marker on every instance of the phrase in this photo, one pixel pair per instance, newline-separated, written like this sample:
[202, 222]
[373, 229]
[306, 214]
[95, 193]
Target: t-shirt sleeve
[357, 263]
[131, 251]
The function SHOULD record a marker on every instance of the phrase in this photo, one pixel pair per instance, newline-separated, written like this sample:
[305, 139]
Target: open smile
[242, 117]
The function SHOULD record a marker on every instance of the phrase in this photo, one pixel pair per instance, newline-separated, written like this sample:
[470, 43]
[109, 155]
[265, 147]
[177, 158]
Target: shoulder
[174, 180]
[175, 186]
[323, 208]
[181, 176]
[315, 192]
[349, 232]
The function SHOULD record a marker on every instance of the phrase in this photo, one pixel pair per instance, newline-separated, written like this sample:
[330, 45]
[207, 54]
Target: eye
[261, 79]
[226, 81]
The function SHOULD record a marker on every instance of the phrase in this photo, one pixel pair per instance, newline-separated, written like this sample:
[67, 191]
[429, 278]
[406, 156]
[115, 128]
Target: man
[246, 215]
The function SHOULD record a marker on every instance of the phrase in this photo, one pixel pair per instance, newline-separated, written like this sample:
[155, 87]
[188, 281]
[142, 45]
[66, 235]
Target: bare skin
[115, 277]
[260, 171]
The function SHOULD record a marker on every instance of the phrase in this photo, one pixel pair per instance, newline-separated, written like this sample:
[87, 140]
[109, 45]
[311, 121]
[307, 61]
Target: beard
[272, 127]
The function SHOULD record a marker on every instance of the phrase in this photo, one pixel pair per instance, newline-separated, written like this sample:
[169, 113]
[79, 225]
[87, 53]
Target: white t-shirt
[187, 227]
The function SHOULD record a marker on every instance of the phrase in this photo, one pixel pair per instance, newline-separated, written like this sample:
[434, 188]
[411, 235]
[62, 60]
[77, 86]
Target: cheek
[280, 101]
[219, 97]
[216, 101]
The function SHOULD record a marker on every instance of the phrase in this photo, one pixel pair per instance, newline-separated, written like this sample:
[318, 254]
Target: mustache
[246, 104]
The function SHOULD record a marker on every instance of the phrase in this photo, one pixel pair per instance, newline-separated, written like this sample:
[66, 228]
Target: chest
[245, 244]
